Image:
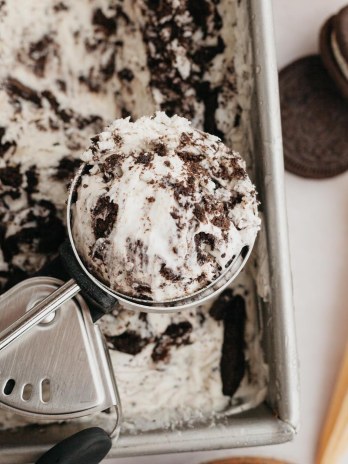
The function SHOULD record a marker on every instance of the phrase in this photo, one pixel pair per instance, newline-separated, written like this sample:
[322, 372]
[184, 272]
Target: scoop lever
[43, 308]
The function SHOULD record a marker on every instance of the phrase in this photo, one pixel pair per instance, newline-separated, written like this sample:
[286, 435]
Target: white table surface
[318, 229]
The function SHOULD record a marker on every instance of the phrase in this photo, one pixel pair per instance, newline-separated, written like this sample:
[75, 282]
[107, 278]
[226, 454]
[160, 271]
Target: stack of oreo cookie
[334, 49]
[314, 105]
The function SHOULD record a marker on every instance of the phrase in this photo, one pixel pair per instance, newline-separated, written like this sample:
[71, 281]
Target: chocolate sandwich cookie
[333, 45]
[314, 120]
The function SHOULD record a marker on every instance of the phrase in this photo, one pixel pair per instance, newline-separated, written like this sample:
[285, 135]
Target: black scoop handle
[65, 267]
[89, 446]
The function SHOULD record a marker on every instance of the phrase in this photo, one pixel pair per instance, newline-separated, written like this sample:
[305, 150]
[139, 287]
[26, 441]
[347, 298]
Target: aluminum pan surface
[262, 424]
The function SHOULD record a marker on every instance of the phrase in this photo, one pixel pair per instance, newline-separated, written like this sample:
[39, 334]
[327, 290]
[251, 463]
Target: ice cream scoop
[160, 217]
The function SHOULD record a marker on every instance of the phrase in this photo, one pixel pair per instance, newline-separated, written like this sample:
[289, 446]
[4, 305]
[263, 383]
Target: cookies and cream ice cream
[69, 69]
[163, 208]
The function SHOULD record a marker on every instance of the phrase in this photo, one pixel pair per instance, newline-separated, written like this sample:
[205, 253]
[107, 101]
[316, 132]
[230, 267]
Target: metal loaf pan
[275, 421]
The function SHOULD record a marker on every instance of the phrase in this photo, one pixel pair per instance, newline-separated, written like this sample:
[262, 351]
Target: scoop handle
[88, 446]
[100, 303]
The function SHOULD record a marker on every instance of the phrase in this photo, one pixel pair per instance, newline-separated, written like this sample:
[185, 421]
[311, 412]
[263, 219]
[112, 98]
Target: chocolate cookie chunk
[174, 335]
[128, 342]
[333, 43]
[231, 309]
[314, 120]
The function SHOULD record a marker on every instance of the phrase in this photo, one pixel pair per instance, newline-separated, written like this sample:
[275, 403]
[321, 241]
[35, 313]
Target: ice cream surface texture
[69, 69]
[163, 208]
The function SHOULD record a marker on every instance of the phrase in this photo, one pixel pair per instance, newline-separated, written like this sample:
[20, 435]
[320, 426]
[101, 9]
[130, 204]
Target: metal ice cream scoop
[60, 371]
[106, 298]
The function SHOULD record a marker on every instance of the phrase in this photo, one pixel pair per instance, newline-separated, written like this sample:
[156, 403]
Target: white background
[318, 228]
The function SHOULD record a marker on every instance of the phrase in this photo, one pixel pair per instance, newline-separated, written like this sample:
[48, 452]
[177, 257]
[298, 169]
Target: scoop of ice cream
[162, 208]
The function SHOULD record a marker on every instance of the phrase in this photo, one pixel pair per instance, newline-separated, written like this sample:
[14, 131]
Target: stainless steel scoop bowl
[84, 281]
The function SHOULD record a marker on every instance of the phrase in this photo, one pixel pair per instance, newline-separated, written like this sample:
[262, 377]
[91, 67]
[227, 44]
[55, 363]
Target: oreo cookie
[314, 120]
[333, 43]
